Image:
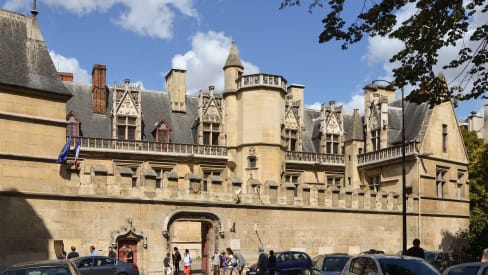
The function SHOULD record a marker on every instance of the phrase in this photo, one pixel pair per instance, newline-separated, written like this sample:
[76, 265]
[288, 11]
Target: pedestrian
[271, 263]
[262, 265]
[416, 250]
[216, 262]
[230, 261]
[484, 256]
[176, 260]
[73, 253]
[223, 263]
[241, 262]
[187, 261]
[93, 252]
[167, 266]
[63, 254]
[111, 253]
[130, 256]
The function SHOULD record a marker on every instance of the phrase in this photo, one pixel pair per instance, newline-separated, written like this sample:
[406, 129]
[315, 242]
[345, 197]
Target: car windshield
[334, 263]
[406, 267]
[464, 270]
[44, 270]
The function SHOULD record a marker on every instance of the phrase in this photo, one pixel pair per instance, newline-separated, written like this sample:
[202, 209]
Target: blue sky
[142, 40]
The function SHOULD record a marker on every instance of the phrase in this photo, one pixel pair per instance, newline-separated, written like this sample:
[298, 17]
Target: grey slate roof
[415, 116]
[155, 106]
[233, 60]
[24, 57]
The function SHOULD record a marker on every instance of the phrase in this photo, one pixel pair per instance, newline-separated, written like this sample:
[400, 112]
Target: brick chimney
[99, 89]
[66, 76]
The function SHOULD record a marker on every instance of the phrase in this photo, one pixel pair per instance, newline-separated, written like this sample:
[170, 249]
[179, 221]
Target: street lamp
[404, 186]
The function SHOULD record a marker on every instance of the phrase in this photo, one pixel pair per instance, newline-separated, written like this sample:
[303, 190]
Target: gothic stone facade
[249, 165]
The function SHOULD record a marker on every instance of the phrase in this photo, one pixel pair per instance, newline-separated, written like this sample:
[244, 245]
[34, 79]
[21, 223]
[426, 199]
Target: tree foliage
[434, 25]
[476, 236]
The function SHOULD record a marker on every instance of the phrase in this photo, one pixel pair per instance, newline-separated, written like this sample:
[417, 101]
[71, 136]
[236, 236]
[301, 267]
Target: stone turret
[353, 145]
[233, 69]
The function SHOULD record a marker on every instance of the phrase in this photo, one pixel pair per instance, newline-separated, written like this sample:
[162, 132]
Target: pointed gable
[127, 106]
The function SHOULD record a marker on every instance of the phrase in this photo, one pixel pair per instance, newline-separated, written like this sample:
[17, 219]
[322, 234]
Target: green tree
[434, 24]
[476, 236]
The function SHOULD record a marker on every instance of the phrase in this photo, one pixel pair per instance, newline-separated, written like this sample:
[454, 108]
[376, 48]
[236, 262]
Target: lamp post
[404, 186]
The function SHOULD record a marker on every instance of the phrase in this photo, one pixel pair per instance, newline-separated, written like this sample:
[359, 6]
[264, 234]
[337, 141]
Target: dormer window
[375, 140]
[331, 144]
[73, 125]
[211, 133]
[161, 132]
[126, 127]
[291, 139]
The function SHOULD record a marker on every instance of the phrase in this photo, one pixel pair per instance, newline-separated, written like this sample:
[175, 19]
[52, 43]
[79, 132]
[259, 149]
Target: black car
[474, 268]
[47, 267]
[289, 263]
[439, 260]
[101, 265]
[330, 264]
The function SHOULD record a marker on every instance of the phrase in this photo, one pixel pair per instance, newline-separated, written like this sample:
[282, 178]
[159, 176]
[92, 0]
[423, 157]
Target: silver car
[46, 267]
[101, 265]
[379, 264]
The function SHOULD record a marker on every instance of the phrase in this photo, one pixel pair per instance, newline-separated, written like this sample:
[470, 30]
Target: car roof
[387, 256]
[39, 263]
[471, 264]
[335, 255]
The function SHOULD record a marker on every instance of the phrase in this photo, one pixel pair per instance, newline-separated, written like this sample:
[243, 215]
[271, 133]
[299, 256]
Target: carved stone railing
[101, 144]
[314, 157]
[261, 80]
[387, 153]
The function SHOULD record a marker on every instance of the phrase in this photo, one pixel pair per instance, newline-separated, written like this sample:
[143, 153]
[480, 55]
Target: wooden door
[123, 246]
[205, 244]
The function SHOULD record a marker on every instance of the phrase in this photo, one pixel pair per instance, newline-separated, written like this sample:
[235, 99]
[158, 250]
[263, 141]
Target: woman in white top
[187, 262]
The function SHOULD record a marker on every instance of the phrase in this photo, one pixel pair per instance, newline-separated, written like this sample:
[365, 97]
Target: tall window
[291, 139]
[252, 162]
[374, 183]
[206, 175]
[334, 181]
[294, 180]
[72, 126]
[375, 139]
[440, 182]
[459, 185]
[134, 177]
[331, 144]
[126, 127]
[444, 138]
[162, 132]
[211, 133]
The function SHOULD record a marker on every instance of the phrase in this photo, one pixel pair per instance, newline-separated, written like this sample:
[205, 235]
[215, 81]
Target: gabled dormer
[211, 118]
[331, 129]
[292, 126]
[161, 131]
[126, 114]
[73, 125]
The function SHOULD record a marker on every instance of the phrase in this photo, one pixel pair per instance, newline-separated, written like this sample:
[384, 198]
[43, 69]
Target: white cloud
[152, 18]
[70, 64]
[204, 62]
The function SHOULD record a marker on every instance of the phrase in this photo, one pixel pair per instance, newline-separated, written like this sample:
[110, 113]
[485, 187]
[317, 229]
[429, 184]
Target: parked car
[48, 267]
[440, 260]
[101, 265]
[380, 264]
[474, 268]
[330, 264]
[289, 263]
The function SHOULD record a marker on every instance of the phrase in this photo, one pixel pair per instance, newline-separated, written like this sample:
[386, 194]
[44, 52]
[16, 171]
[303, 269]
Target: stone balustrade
[138, 146]
[291, 156]
[386, 154]
[261, 80]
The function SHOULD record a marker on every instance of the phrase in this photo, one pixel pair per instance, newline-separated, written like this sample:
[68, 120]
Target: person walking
[187, 260]
[271, 263]
[216, 262]
[73, 253]
[223, 263]
[416, 250]
[229, 260]
[111, 253]
[484, 255]
[93, 252]
[262, 265]
[167, 266]
[176, 260]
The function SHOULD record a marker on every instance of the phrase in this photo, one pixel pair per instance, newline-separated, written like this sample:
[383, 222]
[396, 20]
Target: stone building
[245, 167]
[477, 123]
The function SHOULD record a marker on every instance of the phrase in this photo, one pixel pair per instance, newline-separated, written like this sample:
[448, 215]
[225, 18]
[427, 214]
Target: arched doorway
[129, 238]
[199, 231]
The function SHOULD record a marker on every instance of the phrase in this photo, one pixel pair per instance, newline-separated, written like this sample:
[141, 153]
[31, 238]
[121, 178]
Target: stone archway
[212, 229]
